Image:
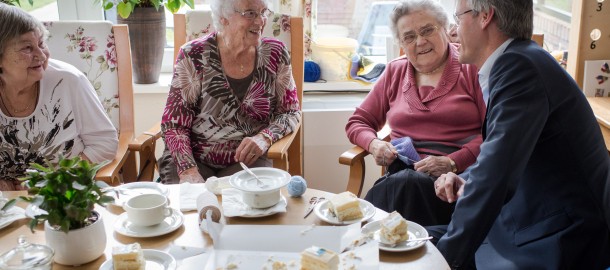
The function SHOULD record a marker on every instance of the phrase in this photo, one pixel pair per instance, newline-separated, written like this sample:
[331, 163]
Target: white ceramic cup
[147, 209]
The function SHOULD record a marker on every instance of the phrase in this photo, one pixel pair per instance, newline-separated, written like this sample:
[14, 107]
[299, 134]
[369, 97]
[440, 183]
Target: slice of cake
[128, 257]
[393, 229]
[317, 258]
[345, 206]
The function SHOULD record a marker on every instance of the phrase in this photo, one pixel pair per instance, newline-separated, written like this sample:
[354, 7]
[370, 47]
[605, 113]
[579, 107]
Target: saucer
[123, 226]
[413, 229]
[154, 260]
[129, 190]
[11, 215]
[321, 210]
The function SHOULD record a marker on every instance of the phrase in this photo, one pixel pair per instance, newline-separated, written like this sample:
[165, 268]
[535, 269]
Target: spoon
[259, 182]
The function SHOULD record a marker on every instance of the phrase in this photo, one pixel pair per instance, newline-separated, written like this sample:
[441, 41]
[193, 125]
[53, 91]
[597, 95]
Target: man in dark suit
[538, 196]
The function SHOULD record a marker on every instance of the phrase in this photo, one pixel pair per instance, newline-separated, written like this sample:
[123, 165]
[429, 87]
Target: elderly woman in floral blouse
[231, 97]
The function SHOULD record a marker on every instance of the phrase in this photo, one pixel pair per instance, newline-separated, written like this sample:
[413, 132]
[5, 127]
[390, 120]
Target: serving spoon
[259, 182]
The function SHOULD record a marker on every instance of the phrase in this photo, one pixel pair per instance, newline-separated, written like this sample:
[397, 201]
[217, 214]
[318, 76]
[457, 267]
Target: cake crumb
[231, 266]
[279, 265]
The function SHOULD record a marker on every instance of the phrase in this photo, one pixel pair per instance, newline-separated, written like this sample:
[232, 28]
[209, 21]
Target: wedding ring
[252, 154]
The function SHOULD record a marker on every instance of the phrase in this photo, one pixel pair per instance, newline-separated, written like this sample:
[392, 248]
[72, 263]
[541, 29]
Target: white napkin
[188, 195]
[12, 214]
[233, 205]
[216, 185]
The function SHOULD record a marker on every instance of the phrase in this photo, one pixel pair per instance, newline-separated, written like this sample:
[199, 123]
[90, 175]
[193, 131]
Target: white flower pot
[78, 246]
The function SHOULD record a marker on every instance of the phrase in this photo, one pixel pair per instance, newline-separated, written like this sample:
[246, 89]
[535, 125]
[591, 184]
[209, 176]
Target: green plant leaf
[124, 9]
[8, 205]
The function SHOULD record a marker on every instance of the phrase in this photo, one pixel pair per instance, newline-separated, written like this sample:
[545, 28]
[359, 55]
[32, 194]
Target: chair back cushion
[90, 47]
[199, 23]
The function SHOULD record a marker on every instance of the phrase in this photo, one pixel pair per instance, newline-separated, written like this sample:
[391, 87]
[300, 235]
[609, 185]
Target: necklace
[15, 111]
[241, 65]
[434, 70]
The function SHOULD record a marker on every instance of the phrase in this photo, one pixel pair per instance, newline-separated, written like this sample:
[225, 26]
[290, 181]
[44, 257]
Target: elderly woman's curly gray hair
[409, 6]
[224, 8]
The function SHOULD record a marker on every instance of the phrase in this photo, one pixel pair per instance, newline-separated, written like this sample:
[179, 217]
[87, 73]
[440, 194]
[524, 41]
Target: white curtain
[308, 9]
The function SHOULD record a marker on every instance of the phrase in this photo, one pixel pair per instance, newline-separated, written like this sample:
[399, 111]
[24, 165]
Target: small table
[426, 257]
[601, 109]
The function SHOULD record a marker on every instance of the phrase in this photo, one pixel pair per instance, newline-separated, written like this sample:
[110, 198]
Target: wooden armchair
[285, 153]
[102, 52]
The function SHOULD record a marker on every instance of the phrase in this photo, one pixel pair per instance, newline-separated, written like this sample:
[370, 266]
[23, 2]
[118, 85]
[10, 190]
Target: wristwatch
[453, 167]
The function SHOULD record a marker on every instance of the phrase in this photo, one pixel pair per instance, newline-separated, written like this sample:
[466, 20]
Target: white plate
[258, 214]
[11, 215]
[154, 260]
[169, 224]
[129, 190]
[272, 177]
[321, 210]
[413, 229]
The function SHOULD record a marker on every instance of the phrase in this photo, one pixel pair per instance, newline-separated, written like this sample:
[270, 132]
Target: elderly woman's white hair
[224, 8]
[407, 7]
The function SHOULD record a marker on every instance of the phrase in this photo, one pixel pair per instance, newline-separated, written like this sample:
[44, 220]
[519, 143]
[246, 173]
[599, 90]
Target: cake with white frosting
[345, 206]
[317, 258]
[128, 257]
[393, 229]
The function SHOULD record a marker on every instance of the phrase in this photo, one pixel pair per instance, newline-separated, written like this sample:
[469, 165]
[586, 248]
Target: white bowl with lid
[257, 196]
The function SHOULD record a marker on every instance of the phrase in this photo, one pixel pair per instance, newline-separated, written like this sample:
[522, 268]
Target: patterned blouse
[204, 121]
[68, 120]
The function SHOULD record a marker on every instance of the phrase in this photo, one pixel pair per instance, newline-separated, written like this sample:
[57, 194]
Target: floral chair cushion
[199, 23]
[89, 46]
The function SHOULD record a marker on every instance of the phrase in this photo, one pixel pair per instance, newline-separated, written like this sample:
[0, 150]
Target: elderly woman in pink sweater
[434, 107]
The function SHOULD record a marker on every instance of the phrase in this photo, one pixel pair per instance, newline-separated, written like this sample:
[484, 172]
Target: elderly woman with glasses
[232, 95]
[434, 108]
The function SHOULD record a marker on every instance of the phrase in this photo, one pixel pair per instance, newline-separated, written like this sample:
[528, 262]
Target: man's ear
[486, 17]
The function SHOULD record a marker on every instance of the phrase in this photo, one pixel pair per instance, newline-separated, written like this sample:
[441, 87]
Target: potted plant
[18, 2]
[146, 21]
[67, 192]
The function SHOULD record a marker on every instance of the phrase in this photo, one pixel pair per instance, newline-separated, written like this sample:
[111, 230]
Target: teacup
[147, 209]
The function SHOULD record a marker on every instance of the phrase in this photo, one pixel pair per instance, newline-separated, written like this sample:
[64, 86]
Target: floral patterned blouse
[204, 121]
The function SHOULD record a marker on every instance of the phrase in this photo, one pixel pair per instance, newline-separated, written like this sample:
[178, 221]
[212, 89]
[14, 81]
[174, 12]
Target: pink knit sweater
[451, 114]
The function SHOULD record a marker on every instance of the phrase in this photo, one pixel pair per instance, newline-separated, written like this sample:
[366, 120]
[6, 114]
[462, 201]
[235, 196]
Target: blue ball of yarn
[312, 71]
[297, 186]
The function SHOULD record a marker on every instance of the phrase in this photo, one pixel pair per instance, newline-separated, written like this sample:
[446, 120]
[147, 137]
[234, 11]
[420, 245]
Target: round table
[189, 234]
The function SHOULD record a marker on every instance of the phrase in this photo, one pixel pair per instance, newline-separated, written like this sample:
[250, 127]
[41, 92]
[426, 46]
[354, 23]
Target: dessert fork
[312, 204]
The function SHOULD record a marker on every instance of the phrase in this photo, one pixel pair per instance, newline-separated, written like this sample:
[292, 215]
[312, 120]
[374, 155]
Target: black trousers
[411, 194]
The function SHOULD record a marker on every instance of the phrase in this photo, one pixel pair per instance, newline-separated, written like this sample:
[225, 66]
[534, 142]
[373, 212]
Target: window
[367, 21]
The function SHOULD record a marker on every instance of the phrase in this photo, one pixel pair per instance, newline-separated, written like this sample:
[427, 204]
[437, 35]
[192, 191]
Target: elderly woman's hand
[383, 152]
[191, 175]
[433, 165]
[251, 148]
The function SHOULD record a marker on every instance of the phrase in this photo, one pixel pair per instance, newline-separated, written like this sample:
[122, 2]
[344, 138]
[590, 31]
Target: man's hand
[383, 152]
[191, 175]
[449, 187]
[251, 148]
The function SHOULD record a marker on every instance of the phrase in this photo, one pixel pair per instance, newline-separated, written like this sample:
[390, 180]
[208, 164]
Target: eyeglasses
[251, 14]
[456, 16]
[425, 31]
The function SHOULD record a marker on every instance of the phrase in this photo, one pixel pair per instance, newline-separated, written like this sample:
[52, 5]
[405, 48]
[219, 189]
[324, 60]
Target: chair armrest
[147, 138]
[123, 164]
[145, 145]
[279, 149]
[354, 158]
